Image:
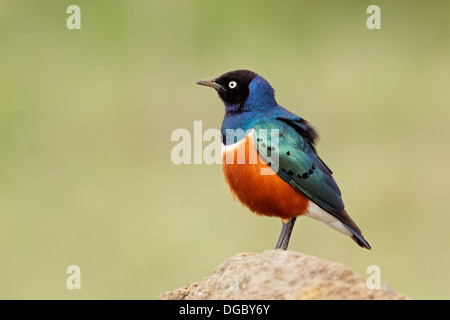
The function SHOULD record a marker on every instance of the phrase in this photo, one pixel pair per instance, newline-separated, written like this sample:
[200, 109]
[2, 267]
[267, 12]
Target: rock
[280, 274]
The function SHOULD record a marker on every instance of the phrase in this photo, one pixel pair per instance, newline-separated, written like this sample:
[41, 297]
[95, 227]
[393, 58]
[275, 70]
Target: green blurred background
[86, 118]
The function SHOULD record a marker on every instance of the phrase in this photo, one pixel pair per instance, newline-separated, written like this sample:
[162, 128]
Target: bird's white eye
[232, 84]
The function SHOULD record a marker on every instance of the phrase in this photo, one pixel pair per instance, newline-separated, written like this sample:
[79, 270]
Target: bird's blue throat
[261, 99]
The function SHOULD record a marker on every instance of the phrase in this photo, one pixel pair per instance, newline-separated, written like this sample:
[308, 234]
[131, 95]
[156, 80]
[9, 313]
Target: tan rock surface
[279, 274]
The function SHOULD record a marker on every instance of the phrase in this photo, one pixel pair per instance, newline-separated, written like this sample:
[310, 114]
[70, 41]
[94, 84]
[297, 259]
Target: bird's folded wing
[292, 156]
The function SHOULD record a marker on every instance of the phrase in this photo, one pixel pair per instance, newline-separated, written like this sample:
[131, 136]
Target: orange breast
[267, 195]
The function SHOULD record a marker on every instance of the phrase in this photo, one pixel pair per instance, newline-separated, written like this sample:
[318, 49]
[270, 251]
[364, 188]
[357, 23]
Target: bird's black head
[232, 86]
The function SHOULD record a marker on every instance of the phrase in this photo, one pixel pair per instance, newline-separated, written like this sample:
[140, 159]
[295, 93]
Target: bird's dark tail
[353, 228]
[359, 239]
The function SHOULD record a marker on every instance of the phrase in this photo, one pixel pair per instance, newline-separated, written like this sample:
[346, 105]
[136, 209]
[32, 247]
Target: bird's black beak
[210, 83]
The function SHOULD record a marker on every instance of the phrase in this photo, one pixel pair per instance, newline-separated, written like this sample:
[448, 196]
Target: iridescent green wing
[288, 147]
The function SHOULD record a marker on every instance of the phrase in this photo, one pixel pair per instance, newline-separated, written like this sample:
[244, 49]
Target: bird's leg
[285, 234]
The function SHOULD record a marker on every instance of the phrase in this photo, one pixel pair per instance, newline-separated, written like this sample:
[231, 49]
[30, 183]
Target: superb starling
[288, 178]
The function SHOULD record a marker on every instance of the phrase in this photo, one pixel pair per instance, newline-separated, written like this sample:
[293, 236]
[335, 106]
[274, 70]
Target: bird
[276, 175]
